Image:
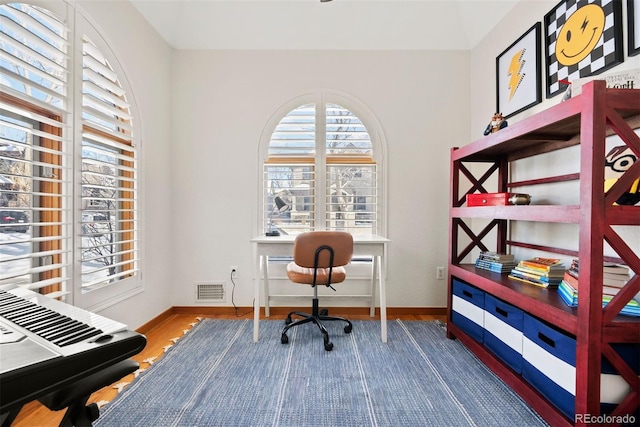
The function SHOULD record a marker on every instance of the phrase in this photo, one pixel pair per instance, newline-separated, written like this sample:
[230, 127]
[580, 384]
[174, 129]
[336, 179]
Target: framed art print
[518, 81]
[633, 24]
[582, 38]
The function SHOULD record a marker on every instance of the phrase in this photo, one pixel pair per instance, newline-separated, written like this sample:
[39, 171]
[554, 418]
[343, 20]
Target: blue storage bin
[549, 360]
[467, 309]
[613, 387]
[503, 326]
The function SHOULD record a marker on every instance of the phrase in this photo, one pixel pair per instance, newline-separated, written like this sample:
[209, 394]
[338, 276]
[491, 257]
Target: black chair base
[317, 317]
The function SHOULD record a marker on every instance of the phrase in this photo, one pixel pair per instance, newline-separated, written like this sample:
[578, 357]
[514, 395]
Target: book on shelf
[569, 296]
[613, 268]
[496, 256]
[632, 308]
[542, 281]
[497, 267]
[613, 275]
[530, 281]
[617, 280]
[544, 264]
[558, 274]
[495, 262]
[569, 281]
[544, 272]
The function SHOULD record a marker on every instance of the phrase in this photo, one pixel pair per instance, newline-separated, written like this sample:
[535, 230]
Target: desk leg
[374, 271]
[383, 300]
[256, 300]
[265, 271]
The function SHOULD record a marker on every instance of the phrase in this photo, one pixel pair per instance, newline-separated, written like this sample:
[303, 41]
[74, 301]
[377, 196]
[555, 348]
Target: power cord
[233, 291]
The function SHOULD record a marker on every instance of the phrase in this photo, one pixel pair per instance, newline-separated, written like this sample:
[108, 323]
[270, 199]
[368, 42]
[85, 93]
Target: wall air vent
[210, 292]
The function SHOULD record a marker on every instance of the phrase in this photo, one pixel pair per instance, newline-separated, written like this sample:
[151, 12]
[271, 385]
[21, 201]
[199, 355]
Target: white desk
[375, 246]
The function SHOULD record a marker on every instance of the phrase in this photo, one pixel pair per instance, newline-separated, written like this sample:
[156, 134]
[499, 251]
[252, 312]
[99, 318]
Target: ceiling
[310, 24]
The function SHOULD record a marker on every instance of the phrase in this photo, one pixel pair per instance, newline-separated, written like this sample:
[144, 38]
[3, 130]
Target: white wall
[145, 58]
[221, 103]
[202, 114]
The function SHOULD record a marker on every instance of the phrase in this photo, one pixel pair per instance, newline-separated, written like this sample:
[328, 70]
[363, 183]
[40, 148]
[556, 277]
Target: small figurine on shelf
[567, 93]
[497, 122]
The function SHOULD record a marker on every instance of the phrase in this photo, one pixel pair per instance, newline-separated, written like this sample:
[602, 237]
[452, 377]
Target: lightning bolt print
[515, 71]
[584, 24]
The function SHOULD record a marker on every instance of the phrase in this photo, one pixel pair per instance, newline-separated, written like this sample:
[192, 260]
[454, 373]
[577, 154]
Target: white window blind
[109, 225]
[346, 136]
[320, 173]
[34, 161]
[351, 198]
[33, 56]
[294, 185]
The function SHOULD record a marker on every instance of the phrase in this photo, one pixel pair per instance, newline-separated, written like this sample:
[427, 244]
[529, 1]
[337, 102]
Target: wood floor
[162, 332]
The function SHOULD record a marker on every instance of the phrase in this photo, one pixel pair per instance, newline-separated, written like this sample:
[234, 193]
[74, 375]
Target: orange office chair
[319, 258]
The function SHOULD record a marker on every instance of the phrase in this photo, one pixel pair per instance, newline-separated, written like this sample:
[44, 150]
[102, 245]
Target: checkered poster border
[606, 53]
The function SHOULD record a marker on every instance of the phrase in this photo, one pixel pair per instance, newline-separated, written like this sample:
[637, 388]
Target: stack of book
[615, 278]
[538, 271]
[496, 262]
[615, 275]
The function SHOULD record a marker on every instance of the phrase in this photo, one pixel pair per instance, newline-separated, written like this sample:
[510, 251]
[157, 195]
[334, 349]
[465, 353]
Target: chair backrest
[306, 244]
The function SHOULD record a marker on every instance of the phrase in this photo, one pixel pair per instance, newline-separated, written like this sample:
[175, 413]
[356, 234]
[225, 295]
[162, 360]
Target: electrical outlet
[440, 273]
[234, 271]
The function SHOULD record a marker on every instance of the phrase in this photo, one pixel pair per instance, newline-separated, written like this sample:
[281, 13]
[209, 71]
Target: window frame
[103, 296]
[65, 213]
[320, 99]
[49, 241]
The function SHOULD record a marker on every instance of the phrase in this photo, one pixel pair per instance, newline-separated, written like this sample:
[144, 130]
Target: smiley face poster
[583, 38]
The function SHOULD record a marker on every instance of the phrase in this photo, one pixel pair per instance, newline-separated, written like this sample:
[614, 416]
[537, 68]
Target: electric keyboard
[46, 345]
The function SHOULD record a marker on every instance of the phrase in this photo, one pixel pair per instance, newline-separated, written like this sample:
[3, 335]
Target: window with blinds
[35, 241]
[320, 173]
[109, 191]
[40, 243]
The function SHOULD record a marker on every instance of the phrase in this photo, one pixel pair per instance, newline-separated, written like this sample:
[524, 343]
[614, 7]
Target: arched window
[109, 191]
[320, 172]
[56, 153]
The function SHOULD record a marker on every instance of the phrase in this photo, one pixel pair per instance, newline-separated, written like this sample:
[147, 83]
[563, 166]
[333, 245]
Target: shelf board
[544, 213]
[552, 129]
[616, 215]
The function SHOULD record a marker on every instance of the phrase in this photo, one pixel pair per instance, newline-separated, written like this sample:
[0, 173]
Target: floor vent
[210, 292]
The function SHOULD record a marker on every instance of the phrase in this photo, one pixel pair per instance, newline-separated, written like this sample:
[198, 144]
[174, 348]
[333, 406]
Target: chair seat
[304, 275]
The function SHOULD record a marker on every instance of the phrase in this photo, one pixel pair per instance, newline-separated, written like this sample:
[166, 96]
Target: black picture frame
[633, 25]
[603, 50]
[518, 74]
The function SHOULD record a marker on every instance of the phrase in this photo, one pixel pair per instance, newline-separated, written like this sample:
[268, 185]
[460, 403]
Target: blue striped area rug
[217, 376]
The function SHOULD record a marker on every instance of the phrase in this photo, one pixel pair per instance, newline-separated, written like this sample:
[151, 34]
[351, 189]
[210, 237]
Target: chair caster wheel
[324, 312]
[288, 321]
[328, 346]
[348, 329]
[284, 339]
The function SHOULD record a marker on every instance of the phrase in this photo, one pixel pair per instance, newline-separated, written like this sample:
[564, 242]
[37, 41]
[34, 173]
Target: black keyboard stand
[74, 396]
